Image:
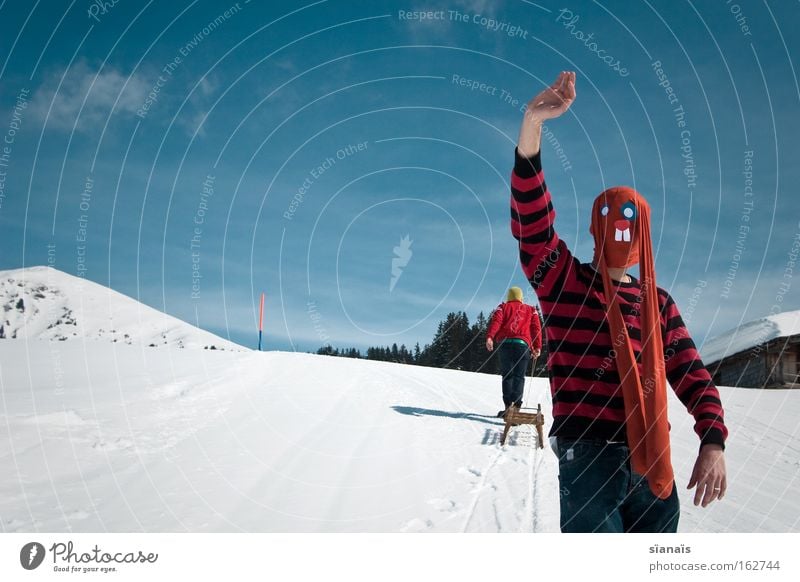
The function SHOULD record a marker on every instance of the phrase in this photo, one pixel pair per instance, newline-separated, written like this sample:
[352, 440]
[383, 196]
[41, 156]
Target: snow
[751, 334]
[137, 439]
[104, 435]
[45, 303]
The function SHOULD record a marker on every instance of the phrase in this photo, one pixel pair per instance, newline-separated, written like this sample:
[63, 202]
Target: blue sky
[289, 147]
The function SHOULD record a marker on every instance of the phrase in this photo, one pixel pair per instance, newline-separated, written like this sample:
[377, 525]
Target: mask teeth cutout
[622, 235]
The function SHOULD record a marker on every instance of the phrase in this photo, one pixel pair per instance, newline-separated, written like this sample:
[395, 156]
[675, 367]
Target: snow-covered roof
[751, 334]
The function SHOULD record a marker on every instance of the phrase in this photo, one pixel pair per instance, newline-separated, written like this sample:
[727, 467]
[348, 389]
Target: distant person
[516, 327]
[613, 342]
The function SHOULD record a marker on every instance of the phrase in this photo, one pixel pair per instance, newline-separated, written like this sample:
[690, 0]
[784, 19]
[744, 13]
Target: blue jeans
[600, 493]
[514, 360]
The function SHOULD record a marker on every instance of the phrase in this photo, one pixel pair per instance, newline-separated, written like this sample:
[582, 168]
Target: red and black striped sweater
[585, 385]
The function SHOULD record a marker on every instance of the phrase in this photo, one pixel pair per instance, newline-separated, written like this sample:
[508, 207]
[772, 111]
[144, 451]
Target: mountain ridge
[44, 303]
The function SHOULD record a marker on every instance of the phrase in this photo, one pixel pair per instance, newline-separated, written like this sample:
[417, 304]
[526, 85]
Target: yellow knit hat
[514, 294]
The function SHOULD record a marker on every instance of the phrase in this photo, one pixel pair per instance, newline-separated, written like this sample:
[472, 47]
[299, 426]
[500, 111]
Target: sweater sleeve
[545, 259]
[495, 322]
[690, 379]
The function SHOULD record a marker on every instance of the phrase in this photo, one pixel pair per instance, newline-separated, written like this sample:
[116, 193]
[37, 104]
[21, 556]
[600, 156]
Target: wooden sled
[514, 417]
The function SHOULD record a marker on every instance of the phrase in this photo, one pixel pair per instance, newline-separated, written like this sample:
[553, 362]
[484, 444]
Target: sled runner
[515, 417]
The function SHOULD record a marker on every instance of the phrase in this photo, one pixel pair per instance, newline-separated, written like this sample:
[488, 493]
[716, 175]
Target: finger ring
[717, 488]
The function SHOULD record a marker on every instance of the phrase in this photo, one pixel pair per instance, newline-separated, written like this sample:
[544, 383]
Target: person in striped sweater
[613, 342]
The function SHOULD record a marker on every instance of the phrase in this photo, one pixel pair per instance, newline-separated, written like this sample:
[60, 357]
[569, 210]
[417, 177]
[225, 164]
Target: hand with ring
[709, 475]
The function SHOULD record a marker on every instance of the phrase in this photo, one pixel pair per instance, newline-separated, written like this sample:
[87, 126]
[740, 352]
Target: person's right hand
[489, 344]
[554, 100]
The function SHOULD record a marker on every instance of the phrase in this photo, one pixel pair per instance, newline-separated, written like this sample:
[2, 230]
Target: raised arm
[532, 214]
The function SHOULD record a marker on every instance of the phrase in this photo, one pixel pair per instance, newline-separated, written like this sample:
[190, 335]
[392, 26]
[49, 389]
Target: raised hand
[554, 100]
[550, 103]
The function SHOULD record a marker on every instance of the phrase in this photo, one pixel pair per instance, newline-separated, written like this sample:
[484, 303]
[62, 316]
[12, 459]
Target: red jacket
[515, 319]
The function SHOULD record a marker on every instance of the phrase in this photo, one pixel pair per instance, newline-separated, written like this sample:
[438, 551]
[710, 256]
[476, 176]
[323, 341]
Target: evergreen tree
[326, 351]
[437, 353]
[456, 344]
[426, 356]
[482, 359]
[458, 347]
[405, 355]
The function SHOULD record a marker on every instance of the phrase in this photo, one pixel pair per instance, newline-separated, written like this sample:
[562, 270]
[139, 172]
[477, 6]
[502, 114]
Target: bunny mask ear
[621, 230]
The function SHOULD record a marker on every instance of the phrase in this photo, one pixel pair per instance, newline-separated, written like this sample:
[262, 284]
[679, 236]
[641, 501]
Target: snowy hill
[45, 303]
[111, 437]
[750, 335]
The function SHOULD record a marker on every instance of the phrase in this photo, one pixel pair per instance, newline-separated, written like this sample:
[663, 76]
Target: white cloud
[197, 112]
[194, 122]
[88, 96]
[207, 86]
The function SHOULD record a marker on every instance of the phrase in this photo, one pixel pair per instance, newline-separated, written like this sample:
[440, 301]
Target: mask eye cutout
[604, 210]
[628, 210]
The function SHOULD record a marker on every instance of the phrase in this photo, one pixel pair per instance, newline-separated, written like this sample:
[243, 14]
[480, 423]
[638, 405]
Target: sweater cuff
[527, 167]
[713, 436]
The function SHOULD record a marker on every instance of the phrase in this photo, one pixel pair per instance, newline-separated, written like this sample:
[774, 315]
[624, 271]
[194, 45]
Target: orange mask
[621, 230]
[616, 214]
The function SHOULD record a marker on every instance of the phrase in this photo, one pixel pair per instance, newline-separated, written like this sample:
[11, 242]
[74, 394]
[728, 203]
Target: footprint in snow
[470, 470]
[78, 514]
[113, 445]
[443, 504]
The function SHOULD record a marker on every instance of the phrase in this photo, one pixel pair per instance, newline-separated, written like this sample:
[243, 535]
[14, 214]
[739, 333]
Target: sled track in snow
[534, 483]
[527, 521]
[480, 487]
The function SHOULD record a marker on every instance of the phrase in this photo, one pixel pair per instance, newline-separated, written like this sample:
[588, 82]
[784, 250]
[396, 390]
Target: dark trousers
[600, 493]
[515, 357]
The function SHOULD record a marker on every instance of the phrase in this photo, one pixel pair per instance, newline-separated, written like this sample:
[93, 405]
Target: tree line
[457, 345]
